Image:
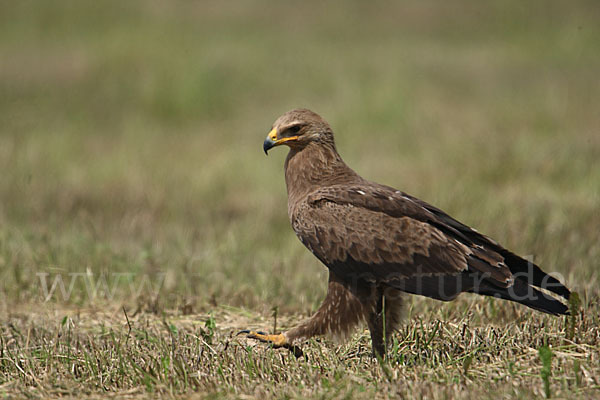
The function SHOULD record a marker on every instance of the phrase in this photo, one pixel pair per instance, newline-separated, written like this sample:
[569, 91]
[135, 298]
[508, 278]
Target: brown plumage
[378, 242]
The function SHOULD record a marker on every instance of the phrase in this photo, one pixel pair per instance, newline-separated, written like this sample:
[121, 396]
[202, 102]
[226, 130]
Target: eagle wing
[376, 233]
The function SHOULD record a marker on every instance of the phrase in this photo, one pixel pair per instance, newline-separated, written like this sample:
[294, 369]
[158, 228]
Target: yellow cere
[273, 134]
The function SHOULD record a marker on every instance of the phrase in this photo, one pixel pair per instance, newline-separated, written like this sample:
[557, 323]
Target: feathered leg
[384, 317]
[342, 309]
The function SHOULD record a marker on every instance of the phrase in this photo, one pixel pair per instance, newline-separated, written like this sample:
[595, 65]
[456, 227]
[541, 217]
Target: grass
[141, 226]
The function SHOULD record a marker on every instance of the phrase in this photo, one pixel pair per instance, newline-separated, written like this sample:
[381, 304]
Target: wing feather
[376, 233]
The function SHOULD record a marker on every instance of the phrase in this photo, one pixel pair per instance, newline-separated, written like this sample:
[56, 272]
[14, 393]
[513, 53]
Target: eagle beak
[272, 141]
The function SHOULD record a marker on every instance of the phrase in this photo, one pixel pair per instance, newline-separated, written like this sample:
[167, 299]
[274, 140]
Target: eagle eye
[294, 129]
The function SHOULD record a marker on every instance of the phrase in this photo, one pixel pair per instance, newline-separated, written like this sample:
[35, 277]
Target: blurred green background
[131, 134]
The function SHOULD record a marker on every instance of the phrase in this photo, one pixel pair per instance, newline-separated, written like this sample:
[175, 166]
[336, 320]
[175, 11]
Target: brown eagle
[378, 242]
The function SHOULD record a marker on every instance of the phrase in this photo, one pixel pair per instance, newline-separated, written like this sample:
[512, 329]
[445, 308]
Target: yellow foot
[276, 341]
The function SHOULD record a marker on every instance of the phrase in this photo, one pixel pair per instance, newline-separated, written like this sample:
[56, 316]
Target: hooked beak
[272, 141]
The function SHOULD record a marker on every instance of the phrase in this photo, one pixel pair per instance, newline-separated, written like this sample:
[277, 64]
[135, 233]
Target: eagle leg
[375, 322]
[384, 318]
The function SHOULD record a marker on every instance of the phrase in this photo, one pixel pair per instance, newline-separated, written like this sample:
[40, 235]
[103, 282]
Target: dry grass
[47, 353]
[133, 178]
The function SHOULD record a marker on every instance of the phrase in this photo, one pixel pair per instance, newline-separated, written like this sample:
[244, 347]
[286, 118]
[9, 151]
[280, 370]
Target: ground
[141, 226]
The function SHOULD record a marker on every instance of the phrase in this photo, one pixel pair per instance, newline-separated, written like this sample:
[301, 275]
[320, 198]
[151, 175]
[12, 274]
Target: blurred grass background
[131, 133]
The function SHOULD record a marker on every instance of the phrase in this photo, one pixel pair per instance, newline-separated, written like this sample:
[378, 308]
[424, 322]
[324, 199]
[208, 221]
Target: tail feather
[532, 274]
[527, 295]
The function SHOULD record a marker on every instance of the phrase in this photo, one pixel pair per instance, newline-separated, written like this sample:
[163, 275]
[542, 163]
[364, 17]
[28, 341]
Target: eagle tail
[525, 294]
[527, 270]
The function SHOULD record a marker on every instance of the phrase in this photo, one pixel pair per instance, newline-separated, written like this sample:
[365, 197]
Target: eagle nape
[379, 243]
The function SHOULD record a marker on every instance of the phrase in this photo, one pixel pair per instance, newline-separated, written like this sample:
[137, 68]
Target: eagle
[379, 242]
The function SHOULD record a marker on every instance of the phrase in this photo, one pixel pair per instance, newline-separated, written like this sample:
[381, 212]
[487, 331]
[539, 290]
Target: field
[141, 225]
